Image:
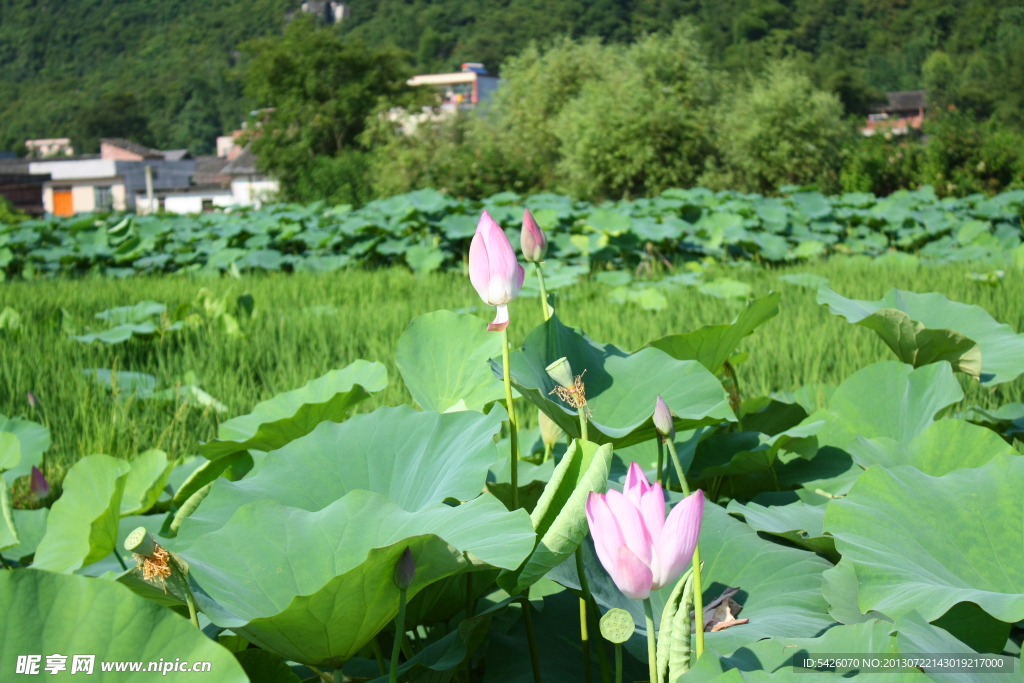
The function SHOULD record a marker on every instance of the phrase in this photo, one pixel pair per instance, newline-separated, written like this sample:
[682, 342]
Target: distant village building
[904, 111]
[328, 12]
[458, 91]
[115, 180]
[49, 147]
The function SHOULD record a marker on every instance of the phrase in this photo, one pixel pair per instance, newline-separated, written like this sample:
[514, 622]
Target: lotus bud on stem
[40, 487]
[405, 573]
[698, 596]
[534, 245]
[550, 433]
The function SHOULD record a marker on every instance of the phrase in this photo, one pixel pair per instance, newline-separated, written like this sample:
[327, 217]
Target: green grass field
[307, 324]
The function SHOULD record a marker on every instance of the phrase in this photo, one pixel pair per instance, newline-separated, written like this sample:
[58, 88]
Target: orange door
[62, 202]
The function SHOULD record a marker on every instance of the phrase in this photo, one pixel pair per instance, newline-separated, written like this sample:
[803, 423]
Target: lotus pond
[291, 440]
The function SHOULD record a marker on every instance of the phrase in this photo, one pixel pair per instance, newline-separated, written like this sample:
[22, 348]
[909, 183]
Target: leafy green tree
[779, 130]
[118, 115]
[317, 91]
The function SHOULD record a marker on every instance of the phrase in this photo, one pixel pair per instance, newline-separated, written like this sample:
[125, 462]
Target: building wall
[83, 197]
[166, 174]
[75, 169]
[249, 190]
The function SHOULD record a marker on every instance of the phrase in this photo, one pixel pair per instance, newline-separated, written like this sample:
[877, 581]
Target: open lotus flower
[493, 269]
[532, 240]
[639, 548]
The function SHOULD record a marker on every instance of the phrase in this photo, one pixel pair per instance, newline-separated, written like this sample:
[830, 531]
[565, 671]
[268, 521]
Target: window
[103, 198]
[207, 205]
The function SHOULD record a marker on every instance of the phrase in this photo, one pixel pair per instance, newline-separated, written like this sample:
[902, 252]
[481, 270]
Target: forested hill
[167, 72]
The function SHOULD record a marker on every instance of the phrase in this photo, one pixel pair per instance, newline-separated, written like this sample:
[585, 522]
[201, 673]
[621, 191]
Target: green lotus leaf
[925, 328]
[946, 445]
[82, 525]
[560, 517]
[323, 609]
[725, 288]
[621, 388]
[146, 482]
[8, 528]
[557, 635]
[287, 416]
[840, 589]
[44, 613]
[412, 458]
[925, 543]
[265, 667]
[443, 360]
[140, 312]
[915, 635]
[885, 399]
[808, 280]
[128, 383]
[798, 522]
[738, 453]
[780, 586]
[33, 441]
[122, 333]
[10, 451]
[30, 527]
[712, 345]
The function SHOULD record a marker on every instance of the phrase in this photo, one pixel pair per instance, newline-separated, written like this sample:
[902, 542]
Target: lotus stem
[698, 595]
[583, 424]
[191, 602]
[399, 636]
[531, 640]
[379, 655]
[584, 636]
[514, 456]
[548, 450]
[735, 397]
[323, 675]
[661, 459]
[469, 595]
[618, 662]
[120, 559]
[652, 649]
[543, 293]
[588, 598]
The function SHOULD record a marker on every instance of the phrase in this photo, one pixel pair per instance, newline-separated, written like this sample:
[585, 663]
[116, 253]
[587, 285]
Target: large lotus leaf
[8, 529]
[82, 526]
[933, 318]
[30, 527]
[146, 482]
[946, 445]
[443, 359]
[780, 586]
[915, 635]
[712, 345]
[287, 416]
[798, 522]
[925, 543]
[122, 333]
[33, 441]
[621, 388]
[43, 613]
[840, 589]
[412, 458]
[560, 517]
[140, 312]
[315, 587]
[733, 453]
[557, 635]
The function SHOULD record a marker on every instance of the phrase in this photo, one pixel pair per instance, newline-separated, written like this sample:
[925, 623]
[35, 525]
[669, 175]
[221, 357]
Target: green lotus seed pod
[561, 372]
[617, 626]
[140, 542]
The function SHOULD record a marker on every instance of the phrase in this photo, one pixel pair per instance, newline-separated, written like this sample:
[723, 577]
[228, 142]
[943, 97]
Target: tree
[117, 115]
[316, 91]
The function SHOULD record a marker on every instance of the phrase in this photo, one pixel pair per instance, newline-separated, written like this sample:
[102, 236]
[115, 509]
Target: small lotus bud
[40, 487]
[405, 570]
[561, 372]
[663, 419]
[532, 240]
[33, 402]
[140, 542]
[550, 433]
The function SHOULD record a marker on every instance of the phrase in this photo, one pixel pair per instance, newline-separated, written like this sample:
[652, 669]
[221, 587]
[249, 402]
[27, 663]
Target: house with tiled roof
[904, 111]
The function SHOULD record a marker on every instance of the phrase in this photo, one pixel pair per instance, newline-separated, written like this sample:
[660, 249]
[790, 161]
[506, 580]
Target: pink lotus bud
[405, 570]
[532, 240]
[33, 402]
[640, 549]
[40, 487]
[663, 421]
[493, 269]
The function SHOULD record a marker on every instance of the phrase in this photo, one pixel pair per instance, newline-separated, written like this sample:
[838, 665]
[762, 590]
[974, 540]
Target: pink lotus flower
[532, 239]
[639, 548]
[40, 487]
[663, 421]
[493, 269]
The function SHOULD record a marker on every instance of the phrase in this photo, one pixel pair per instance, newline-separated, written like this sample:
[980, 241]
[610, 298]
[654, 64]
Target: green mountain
[168, 73]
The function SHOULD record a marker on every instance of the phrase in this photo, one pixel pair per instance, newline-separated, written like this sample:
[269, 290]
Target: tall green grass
[307, 324]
